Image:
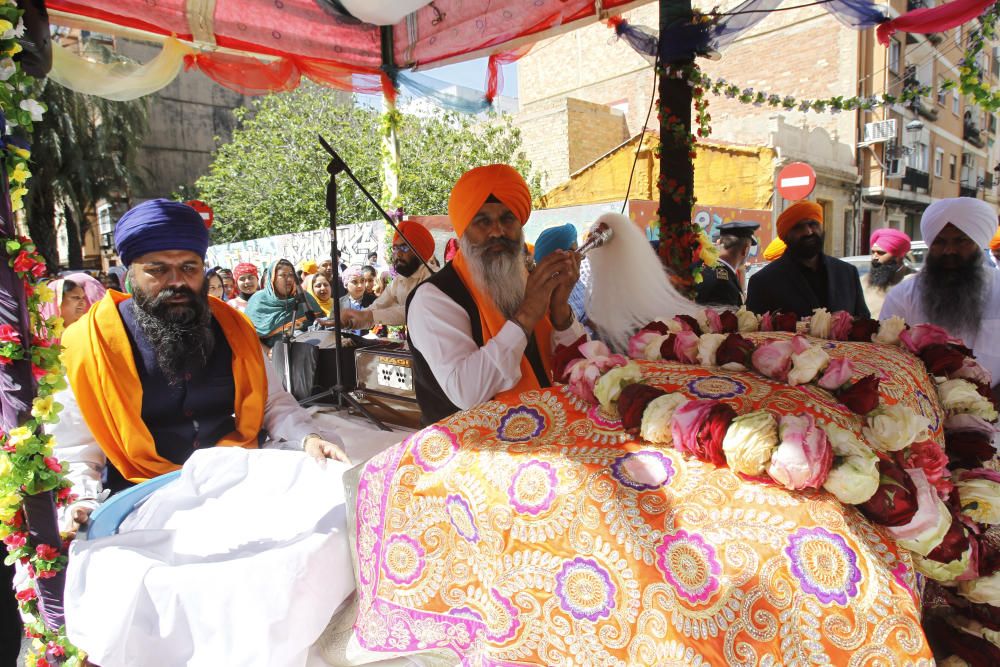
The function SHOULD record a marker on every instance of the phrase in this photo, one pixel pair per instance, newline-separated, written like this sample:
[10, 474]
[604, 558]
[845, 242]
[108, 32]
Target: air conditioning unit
[879, 131]
[894, 167]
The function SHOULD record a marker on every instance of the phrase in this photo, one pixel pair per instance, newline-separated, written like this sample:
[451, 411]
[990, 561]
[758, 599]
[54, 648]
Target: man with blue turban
[157, 374]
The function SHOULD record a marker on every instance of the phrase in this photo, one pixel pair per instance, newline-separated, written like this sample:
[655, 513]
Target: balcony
[922, 108]
[971, 134]
[966, 191]
[915, 4]
[916, 178]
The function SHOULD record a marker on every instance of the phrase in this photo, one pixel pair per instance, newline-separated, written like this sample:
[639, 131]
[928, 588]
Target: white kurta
[468, 374]
[390, 306]
[904, 300]
[284, 419]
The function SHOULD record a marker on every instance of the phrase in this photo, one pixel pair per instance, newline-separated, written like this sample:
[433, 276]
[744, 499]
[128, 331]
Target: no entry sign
[204, 209]
[796, 181]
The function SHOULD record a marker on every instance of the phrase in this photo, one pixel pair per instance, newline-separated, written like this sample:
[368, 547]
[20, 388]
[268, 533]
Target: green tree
[271, 178]
[84, 149]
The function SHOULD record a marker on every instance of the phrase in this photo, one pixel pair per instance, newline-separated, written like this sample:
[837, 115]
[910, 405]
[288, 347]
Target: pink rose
[699, 427]
[766, 322]
[686, 347]
[804, 457]
[838, 373]
[922, 335]
[724, 322]
[773, 360]
[638, 342]
[586, 371]
[974, 372]
[840, 328]
[688, 323]
[929, 457]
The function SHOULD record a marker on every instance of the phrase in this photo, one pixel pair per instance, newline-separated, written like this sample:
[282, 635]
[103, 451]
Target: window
[955, 105]
[917, 159]
[894, 56]
[952, 167]
[104, 219]
[938, 162]
[942, 92]
[968, 170]
[958, 36]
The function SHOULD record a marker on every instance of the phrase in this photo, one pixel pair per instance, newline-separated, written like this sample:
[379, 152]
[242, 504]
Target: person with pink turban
[72, 297]
[804, 277]
[889, 250]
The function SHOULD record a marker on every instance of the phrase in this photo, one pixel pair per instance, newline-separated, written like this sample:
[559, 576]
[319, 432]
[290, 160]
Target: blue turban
[554, 238]
[160, 224]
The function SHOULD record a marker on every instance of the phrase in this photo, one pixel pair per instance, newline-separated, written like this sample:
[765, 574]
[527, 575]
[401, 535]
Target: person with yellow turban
[482, 324]
[389, 308]
[804, 278]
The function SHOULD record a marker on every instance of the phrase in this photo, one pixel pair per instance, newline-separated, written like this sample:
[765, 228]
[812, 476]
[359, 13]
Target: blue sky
[473, 75]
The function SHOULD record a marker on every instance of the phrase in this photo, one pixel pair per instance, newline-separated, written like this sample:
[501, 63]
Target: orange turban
[774, 249]
[796, 213]
[419, 237]
[995, 241]
[475, 187]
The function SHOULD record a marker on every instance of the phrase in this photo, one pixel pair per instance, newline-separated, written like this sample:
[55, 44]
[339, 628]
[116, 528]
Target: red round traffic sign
[796, 181]
[204, 209]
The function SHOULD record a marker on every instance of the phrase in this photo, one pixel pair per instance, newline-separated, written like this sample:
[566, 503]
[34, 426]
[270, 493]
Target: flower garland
[935, 503]
[27, 462]
[972, 81]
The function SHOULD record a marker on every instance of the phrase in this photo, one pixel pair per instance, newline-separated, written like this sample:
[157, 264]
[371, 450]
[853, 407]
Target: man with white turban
[955, 290]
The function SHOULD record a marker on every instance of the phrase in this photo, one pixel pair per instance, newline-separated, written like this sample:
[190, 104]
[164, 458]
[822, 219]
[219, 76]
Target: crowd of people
[172, 356]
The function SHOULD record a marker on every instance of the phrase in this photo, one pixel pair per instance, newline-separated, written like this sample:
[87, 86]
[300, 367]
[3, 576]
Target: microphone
[599, 235]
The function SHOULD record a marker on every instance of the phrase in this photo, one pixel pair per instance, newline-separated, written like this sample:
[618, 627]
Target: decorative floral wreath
[27, 463]
[936, 503]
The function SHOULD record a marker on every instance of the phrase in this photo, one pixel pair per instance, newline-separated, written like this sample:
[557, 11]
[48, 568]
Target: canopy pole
[391, 160]
[676, 164]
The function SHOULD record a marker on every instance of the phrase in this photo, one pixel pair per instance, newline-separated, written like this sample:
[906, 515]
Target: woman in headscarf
[247, 283]
[216, 284]
[318, 285]
[279, 305]
[72, 297]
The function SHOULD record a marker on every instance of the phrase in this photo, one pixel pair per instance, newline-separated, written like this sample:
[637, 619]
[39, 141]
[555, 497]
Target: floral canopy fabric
[533, 530]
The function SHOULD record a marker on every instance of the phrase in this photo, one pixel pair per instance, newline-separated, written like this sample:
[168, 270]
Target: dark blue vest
[196, 413]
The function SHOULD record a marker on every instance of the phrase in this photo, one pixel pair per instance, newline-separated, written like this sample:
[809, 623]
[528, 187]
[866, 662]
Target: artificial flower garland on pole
[30, 475]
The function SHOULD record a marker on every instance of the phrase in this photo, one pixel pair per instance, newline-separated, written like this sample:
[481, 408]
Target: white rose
[807, 365]
[895, 427]
[609, 387]
[652, 351]
[961, 396]
[748, 321]
[854, 480]
[931, 537]
[984, 590]
[980, 499]
[889, 330]
[673, 326]
[34, 108]
[820, 323]
[944, 572]
[708, 346]
[657, 418]
[750, 442]
[845, 443]
[7, 69]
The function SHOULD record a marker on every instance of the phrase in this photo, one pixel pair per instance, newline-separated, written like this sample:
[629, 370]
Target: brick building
[585, 92]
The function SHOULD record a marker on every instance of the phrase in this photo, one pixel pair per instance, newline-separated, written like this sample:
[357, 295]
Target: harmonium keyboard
[385, 370]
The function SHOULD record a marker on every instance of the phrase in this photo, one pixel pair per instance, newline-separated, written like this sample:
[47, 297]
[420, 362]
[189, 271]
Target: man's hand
[538, 292]
[80, 516]
[321, 450]
[356, 319]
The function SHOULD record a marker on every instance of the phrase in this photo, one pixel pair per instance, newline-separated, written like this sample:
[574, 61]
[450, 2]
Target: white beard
[502, 276]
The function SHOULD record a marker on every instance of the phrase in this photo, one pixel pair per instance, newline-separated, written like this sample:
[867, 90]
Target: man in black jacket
[804, 278]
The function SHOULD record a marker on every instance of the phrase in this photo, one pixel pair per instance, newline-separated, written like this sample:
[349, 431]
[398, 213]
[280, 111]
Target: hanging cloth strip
[933, 19]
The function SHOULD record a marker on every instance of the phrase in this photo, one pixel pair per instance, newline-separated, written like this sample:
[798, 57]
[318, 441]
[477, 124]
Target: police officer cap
[744, 229]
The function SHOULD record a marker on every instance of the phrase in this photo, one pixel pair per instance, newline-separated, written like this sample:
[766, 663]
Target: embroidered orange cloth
[102, 372]
[532, 530]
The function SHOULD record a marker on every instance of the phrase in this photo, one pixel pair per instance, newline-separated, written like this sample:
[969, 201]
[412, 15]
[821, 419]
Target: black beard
[181, 335]
[953, 294]
[406, 269]
[882, 274]
[806, 247]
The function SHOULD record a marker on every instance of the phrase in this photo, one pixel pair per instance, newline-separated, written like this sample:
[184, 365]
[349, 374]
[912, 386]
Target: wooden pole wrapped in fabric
[676, 165]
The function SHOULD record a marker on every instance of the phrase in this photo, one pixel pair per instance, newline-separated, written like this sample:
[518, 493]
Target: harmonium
[385, 370]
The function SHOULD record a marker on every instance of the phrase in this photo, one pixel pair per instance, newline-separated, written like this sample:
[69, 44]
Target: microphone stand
[339, 391]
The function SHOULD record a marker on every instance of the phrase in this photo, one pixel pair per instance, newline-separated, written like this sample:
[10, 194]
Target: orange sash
[493, 320]
[102, 372]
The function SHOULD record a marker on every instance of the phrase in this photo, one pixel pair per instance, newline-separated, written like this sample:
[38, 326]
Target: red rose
[667, 348]
[988, 546]
[38, 372]
[862, 396]
[730, 323]
[689, 323]
[9, 334]
[23, 263]
[946, 641]
[929, 457]
[862, 330]
[784, 321]
[942, 360]
[632, 403]
[26, 595]
[562, 357]
[712, 432]
[16, 540]
[46, 552]
[657, 326]
[735, 349]
[969, 449]
[52, 463]
[45, 574]
[895, 500]
[954, 544]
[699, 427]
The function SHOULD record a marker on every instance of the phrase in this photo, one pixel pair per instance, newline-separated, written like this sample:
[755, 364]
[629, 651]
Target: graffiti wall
[355, 242]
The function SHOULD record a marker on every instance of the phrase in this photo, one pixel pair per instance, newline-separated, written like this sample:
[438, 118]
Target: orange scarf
[492, 321]
[102, 372]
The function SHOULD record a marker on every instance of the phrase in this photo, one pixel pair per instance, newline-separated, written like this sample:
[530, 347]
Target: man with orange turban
[483, 325]
[804, 278]
[995, 248]
[390, 306]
